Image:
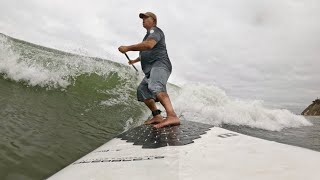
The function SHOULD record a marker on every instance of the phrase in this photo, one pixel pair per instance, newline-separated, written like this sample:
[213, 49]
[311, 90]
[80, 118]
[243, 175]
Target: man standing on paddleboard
[157, 68]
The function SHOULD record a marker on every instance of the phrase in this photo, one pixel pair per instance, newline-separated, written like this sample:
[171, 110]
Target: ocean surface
[56, 107]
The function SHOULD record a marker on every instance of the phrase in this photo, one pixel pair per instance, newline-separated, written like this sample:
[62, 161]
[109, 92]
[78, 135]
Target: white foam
[209, 104]
[129, 123]
[49, 69]
[14, 68]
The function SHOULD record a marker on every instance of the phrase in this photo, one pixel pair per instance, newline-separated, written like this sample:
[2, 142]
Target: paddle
[129, 61]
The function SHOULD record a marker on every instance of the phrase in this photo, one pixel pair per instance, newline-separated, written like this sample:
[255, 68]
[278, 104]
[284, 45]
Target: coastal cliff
[313, 109]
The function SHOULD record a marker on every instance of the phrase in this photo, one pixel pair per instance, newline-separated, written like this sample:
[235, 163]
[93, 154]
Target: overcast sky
[253, 49]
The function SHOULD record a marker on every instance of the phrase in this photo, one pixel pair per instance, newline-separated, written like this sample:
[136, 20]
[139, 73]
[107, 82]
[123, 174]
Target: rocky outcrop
[313, 109]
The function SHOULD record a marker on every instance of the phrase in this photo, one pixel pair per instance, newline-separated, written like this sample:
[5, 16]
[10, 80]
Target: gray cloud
[266, 49]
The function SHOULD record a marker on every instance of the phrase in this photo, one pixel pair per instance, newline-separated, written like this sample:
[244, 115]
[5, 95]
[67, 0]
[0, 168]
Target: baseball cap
[148, 14]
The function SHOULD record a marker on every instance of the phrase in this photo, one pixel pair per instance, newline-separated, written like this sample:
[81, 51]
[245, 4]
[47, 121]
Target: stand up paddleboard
[192, 150]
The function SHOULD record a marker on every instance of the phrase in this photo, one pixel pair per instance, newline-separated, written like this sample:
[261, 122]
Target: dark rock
[313, 109]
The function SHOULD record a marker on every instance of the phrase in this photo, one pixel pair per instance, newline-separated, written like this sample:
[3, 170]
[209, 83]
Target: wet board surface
[192, 151]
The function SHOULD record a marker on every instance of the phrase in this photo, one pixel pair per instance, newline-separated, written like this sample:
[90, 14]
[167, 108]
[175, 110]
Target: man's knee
[156, 88]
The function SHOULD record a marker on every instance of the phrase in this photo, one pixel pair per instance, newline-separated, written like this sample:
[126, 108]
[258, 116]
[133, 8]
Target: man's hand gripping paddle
[129, 61]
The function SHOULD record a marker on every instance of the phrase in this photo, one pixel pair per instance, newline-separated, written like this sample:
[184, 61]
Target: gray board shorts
[153, 83]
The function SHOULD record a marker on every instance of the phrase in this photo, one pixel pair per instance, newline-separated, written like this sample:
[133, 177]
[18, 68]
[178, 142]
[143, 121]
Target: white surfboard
[192, 151]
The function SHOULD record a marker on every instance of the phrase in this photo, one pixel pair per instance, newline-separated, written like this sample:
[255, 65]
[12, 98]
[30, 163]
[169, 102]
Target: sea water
[55, 107]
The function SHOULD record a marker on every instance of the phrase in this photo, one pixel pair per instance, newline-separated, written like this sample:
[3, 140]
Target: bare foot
[170, 120]
[156, 119]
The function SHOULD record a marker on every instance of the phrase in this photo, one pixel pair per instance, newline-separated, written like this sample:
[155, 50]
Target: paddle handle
[129, 61]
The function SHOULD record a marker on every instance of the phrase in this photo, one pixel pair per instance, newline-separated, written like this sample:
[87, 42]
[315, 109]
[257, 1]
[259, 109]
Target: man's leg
[157, 86]
[152, 106]
[146, 96]
[172, 118]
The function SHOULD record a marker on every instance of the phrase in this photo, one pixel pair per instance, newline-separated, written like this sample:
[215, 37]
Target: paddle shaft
[129, 61]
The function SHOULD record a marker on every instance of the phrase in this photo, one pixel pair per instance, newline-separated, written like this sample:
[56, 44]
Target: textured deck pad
[150, 137]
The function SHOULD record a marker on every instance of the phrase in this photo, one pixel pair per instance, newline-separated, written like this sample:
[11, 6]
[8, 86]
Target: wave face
[57, 106]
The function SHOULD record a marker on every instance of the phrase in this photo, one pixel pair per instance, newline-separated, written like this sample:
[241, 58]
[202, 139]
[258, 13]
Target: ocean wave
[116, 84]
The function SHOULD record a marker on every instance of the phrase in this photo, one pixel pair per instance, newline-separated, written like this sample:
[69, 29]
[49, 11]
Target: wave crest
[210, 104]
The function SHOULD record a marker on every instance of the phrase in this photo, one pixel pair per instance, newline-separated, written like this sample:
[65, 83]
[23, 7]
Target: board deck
[192, 151]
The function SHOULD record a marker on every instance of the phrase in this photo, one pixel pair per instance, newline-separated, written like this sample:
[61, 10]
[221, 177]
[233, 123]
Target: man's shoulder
[156, 28]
